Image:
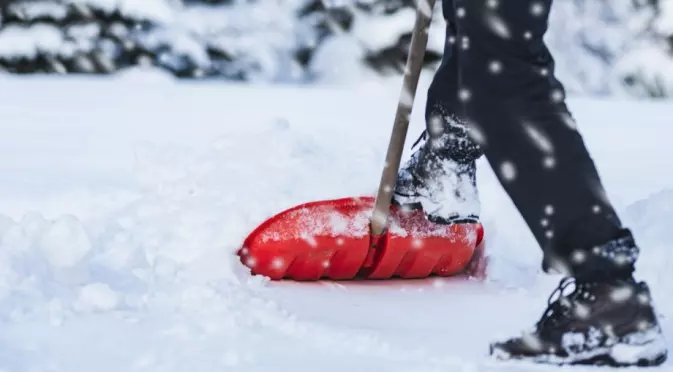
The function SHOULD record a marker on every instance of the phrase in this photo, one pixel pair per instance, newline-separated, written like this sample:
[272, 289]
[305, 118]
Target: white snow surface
[123, 200]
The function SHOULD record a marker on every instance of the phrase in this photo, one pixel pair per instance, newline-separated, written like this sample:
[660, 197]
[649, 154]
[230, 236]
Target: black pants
[497, 78]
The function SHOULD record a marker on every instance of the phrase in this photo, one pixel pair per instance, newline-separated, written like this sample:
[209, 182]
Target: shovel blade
[331, 239]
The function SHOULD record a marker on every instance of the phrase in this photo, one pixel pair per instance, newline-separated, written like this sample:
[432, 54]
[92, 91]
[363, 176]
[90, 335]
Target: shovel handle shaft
[412, 72]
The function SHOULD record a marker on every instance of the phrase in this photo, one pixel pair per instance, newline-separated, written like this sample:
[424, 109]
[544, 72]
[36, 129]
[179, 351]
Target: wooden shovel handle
[412, 72]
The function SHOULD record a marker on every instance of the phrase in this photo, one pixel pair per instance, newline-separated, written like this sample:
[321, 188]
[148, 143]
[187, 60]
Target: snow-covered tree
[233, 40]
[600, 46]
[646, 69]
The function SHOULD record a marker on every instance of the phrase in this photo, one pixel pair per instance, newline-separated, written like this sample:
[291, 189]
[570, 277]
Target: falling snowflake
[495, 67]
[579, 257]
[460, 12]
[435, 125]
[569, 121]
[644, 299]
[539, 138]
[277, 263]
[477, 135]
[643, 325]
[537, 9]
[499, 26]
[251, 262]
[492, 4]
[582, 311]
[549, 209]
[406, 97]
[508, 171]
[464, 95]
[621, 294]
[549, 162]
[465, 43]
[557, 95]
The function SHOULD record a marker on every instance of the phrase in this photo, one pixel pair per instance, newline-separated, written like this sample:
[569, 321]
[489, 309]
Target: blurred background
[602, 47]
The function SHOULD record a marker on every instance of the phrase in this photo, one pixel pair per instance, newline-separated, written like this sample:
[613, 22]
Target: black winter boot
[608, 322]
[442, 185]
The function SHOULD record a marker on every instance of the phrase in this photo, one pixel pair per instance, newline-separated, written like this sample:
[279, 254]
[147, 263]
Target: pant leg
[443, 107]
[515, 107]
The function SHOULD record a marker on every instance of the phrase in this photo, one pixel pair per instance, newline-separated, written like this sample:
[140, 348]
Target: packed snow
[123, 200]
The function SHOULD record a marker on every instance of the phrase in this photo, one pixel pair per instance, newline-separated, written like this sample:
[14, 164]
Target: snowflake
[499, 26]
[569, 121]
[579, 257]
[495, 67]
[435, 125]
[621, 294]
[464, 95]
[539, 138]
[465, 43]
[251, 262]
[537, 9]
[557, 95]
[582, 311]
[549, 162]
[508, 171]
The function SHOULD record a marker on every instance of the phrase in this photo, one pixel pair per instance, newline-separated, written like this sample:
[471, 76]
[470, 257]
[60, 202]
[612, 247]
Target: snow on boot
[443, 188]
[603, 323]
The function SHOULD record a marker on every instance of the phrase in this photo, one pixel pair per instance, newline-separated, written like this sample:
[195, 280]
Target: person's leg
[516, 111]
[517, 107]
[440, 176]
[507, 90]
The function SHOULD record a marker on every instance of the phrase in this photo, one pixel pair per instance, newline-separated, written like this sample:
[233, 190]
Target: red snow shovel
[366, 237]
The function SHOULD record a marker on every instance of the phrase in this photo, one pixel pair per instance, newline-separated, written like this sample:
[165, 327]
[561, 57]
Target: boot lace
[558, 308]
[422, 137]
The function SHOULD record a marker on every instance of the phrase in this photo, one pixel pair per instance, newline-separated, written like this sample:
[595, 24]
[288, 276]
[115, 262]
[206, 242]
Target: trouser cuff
[611, 260]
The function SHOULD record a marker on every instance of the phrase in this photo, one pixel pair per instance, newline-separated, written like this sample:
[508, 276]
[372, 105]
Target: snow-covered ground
[122, 201]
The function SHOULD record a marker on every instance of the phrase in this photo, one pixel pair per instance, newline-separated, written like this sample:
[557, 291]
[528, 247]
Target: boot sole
[651, 353]
[417, 206]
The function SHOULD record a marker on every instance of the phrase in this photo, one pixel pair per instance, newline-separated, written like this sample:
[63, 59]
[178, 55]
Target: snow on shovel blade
[331, 240]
